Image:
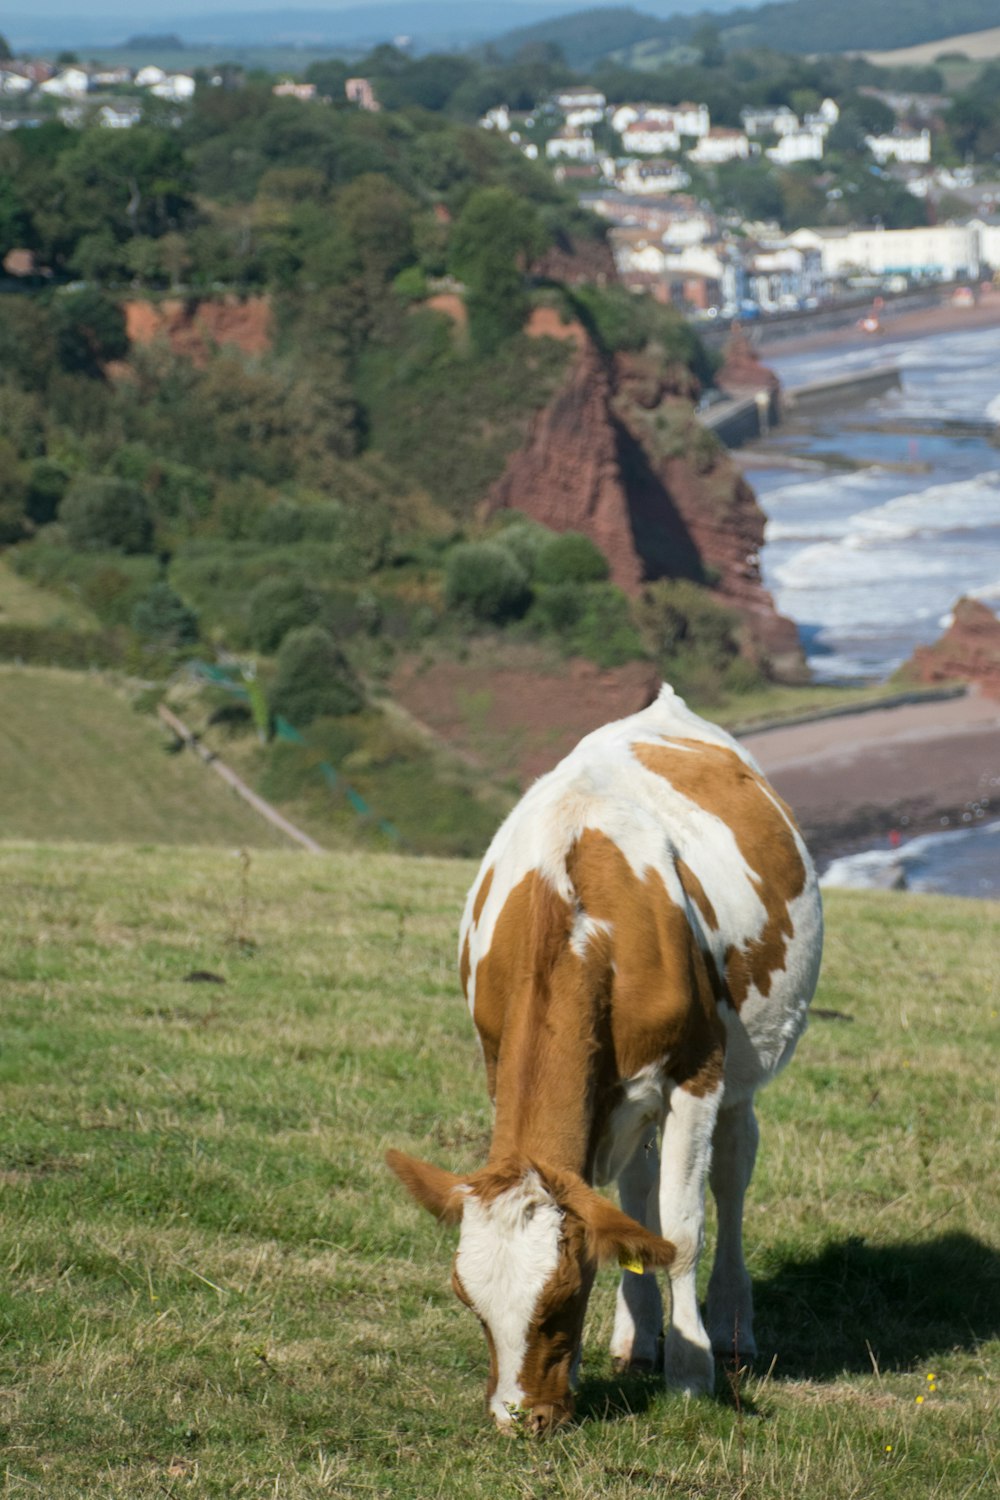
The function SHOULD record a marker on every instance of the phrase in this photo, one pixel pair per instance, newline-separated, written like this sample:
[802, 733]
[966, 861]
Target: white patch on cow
[584, 930]
[507, 1251]
[642, 1101]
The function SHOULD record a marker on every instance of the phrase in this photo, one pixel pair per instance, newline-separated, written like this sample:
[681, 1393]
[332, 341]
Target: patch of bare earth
[520, 716]
[194, 328]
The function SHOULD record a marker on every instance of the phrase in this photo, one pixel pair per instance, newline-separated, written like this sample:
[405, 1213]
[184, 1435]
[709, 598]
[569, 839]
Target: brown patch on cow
[695, 891]
[718, 780]
[662, 997]
[556, 1330]
[481, 895]
[465, 966]
[534, 1021]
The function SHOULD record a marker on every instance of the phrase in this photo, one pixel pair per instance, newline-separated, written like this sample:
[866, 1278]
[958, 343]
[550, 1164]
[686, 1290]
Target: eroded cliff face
[619, 455]
[969, 651]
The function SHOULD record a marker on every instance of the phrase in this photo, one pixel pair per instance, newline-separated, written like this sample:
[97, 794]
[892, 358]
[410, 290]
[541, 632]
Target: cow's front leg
[730, 1296]
[688, 1127]
[635, 1342]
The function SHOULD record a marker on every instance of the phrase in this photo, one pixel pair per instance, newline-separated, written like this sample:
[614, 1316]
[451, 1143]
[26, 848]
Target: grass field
[213, 1287]
[77, 762]
[23, 603]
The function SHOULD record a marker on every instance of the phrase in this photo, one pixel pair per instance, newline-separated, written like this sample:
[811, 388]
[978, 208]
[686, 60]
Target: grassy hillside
[77, 762]
[213, 1288]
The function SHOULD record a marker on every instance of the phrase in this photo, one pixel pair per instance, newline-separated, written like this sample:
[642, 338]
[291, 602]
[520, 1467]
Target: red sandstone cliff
[969, 651]
[619, 455]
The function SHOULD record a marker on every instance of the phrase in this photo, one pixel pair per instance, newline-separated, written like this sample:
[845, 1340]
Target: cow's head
[530, 1243]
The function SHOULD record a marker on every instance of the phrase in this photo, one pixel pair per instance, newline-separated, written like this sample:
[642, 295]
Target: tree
[90, 331]
[103, 515]
[314, 679]
[161, 616]
[5, 53]
[496, 236]
[488, 580]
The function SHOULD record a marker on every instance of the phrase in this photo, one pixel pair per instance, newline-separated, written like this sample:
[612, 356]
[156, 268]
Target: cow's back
[656, 860]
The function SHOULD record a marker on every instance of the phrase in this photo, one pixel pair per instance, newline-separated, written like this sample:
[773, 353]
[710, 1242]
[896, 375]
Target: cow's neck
[549, 1083]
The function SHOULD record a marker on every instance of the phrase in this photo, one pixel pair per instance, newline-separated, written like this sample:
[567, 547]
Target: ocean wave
[962, 861]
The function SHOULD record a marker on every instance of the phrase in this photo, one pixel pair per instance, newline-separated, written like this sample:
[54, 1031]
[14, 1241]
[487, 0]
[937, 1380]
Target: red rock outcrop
[619, 455]
[969, 651]
[741, 372]
[193, 328]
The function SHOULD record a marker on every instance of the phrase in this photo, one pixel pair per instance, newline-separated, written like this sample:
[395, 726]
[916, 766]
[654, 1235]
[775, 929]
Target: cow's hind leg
[635, 1342]
[730, 1297]
[687, 1147]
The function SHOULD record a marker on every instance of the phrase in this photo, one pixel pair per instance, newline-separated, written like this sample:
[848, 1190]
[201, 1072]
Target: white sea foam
[963, 860]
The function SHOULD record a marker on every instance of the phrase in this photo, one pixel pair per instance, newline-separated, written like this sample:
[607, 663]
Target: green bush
[109, 583]
[525, 538]
[314, 679]
[487, 580]
[101, 514]
[161, 616]
[558, 607]
[571, 558]
[277, 606]
[605, 632]
[48, 482]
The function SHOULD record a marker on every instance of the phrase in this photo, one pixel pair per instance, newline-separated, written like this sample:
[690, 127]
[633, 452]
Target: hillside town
[650, 171]
[669, 241]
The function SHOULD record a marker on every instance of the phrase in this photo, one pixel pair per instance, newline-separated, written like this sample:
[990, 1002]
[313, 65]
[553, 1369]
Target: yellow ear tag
[631, 1265]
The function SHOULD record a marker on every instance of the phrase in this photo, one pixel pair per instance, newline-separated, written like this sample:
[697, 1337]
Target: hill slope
[803, 26]
[77, 763]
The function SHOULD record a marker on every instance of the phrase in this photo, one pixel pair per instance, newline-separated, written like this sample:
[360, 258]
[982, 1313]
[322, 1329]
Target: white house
[289, 88]
[178, 87]
[120, 116]
[932, 252]
[636, 250]
[147, 76]
[13, 83]
[909, 146]
[692, 119]
[572, 99]
[656, 176]
[647, 137]
[800, 145]
[497, 118]
[71, 83]
[721, 144]
[575, 145]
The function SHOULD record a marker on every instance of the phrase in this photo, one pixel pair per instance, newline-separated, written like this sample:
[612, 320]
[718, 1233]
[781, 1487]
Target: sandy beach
[895, 324]
[917, 768]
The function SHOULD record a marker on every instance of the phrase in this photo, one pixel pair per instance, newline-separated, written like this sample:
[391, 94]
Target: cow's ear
[612, 1235]
[441, 1193]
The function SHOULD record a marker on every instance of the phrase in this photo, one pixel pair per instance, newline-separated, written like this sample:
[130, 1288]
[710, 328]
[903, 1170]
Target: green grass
[78, 763]
[24, 603]
[213, 1287]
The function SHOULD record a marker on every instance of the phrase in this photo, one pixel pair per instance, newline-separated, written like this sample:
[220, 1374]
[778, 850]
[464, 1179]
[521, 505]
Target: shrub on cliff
[486, 579]
[314, 679]
[571, 558]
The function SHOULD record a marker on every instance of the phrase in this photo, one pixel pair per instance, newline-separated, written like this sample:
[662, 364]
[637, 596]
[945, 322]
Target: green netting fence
[233, 680]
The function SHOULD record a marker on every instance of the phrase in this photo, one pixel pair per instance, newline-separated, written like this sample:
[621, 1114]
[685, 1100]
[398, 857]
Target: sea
[893, 516]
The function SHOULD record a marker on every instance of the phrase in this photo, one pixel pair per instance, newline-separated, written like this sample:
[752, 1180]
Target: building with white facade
[654, 176]
[721, 144]
[574, 145]
[571, 99]
[176, 87]
[146, 77]
[648, 137]
[71, 83]
[799, 145]
[930, 252]
[906, 146]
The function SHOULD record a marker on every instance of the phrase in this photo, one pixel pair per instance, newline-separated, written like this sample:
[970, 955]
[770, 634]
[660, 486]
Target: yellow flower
[888, 1447]
[920, 1400]
[931, 1375]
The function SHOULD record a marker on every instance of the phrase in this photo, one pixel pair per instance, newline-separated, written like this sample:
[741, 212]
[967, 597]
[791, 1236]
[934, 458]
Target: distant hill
[800, 26]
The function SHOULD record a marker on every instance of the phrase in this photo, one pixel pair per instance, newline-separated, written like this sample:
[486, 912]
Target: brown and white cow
[638, 952]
